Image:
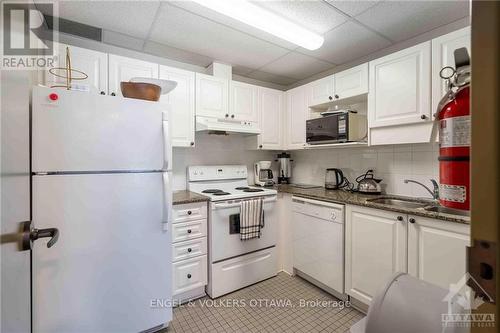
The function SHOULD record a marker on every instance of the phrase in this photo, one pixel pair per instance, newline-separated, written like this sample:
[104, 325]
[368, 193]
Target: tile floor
[274, 305]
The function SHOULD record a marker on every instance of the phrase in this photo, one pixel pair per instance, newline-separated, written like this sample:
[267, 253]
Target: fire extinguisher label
[453, 193]
[454, 132]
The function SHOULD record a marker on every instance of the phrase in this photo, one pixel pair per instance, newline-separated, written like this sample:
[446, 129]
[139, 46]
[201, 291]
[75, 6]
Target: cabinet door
[181, 101]
[400, 87]
[243, 101]
[92, 63]
[375, 248]
[212, 96]
[296, 116]
[271, 115]
[321, 91]
[351, 82]
[123, 69]
[442, 55]
[437, 250]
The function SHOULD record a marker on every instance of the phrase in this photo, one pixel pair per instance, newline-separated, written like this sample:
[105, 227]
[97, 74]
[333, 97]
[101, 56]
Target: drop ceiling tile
[413, 17]
[133, 18]
[173, 53]
[296, 65]
[273, 78]
[352, 8]
[315, 15]
[179, 28]
[348, 42]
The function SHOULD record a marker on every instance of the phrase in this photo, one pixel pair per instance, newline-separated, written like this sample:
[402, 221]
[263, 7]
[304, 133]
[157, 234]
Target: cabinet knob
[191, 143]
[330, 98]
[227, 115]
[260, 146]
[113, 94]
[189, 276]
[189, 250]
[411, 220]
[190, 212]
[103, 93]
[189, 231]
[337, 96]
[232, 116]
[400, 218]
[423, 117]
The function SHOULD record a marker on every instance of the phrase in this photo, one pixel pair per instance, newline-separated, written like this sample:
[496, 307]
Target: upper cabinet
[296, 115]
[400, 87]
[181, 101]
[243, 101]
[321, 91]
[270, 109]
[442, 55]
[92, 63]
[351, 82]
[212, 96]
[123, 69]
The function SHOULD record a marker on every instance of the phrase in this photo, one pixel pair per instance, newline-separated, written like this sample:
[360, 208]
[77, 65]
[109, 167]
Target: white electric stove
[233, 263]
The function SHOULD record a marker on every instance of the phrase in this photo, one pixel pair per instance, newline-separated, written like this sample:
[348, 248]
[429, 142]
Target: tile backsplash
[391, 163]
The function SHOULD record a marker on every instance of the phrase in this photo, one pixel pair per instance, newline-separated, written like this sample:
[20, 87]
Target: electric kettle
[334, 179]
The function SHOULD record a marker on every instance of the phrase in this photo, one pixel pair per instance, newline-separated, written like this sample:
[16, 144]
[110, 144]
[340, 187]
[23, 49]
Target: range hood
[211, 124]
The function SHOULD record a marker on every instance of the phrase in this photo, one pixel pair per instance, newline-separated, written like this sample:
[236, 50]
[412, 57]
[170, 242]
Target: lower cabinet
[375, 249]
[380, 243]
[189, 251]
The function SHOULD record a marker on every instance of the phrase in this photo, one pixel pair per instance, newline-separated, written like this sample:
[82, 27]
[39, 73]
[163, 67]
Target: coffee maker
[285, 172]
[263, 173]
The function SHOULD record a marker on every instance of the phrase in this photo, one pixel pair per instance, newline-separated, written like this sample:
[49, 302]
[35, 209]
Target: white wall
[215, 150]
[391, 163]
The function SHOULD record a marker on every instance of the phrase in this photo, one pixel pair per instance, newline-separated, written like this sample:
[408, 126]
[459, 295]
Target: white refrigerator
[101, 176]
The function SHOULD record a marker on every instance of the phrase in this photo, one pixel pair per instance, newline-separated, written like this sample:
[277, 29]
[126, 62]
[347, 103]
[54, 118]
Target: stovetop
[221, 183]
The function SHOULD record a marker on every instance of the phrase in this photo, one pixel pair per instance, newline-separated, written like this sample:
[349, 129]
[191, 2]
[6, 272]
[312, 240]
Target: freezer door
[78, 131]
[110, 270]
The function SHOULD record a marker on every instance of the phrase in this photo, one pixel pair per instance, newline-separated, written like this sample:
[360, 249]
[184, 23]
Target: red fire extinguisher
[454, 120]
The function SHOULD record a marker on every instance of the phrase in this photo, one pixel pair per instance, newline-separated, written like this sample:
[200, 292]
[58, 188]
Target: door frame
[485, 156]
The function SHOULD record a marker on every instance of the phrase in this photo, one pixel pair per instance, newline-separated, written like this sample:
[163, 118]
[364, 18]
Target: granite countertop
[339, 196]
[184, 197]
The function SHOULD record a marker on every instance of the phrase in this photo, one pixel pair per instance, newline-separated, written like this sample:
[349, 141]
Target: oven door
[224, 236]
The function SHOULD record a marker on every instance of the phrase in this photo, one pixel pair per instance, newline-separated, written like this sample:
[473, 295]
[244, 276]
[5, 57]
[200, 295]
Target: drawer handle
[189, 212]
[189, 231]
[189, 276]
[189, 249]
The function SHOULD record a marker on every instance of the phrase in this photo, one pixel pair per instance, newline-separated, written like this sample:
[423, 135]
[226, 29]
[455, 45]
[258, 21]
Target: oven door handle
[237, 204]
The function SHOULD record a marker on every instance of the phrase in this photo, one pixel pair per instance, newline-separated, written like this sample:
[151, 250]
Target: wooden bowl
[141, 90]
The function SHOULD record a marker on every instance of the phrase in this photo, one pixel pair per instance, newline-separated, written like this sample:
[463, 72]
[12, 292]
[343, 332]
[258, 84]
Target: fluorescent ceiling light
[265, 20]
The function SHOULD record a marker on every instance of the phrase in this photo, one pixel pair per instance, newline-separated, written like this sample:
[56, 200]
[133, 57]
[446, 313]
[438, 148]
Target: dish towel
[251, 218]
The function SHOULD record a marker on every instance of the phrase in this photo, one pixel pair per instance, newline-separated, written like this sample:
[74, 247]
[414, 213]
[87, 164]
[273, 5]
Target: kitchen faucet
[434, 192]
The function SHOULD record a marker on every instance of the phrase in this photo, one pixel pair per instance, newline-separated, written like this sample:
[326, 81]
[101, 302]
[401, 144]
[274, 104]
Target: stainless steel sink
[399, 202]
[446, 210]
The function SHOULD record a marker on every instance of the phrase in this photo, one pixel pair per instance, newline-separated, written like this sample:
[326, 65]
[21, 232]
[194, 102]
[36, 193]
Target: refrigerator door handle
[167, 200]
[167, 148]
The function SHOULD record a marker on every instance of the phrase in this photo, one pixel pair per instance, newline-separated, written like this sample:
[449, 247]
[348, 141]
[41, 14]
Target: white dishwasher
[318, 241]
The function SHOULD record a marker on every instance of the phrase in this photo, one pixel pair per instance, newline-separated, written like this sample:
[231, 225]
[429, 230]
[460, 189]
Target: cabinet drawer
[189, 212]
[189, 249]
[319, 209]
[189, 230]
[189, 274]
